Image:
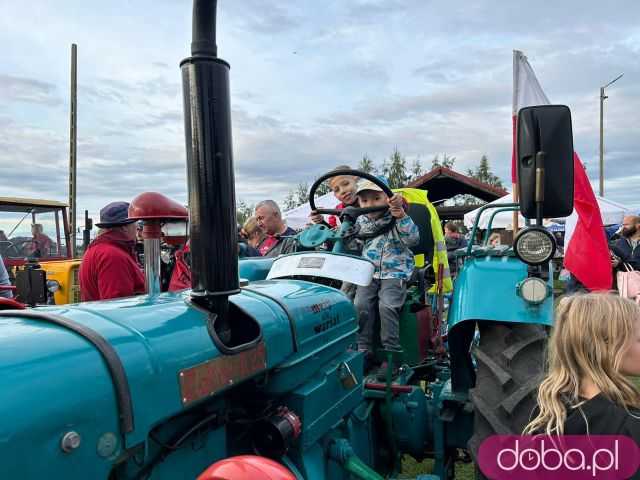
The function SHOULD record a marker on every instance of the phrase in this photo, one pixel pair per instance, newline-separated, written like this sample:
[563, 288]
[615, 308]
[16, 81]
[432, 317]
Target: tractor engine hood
[57, 382]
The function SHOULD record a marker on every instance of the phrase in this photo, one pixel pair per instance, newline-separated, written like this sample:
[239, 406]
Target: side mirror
[545, 161]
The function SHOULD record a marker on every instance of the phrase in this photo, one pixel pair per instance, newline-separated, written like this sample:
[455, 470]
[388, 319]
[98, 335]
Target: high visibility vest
[419, 197]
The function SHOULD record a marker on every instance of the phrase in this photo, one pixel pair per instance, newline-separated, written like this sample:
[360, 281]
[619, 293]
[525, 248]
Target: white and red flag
[586, 253]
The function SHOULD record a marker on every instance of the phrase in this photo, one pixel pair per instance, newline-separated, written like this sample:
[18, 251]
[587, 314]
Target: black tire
[510, 362]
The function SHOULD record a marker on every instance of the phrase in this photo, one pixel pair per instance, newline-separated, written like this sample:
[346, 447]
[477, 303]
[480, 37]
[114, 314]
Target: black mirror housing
[545, 150]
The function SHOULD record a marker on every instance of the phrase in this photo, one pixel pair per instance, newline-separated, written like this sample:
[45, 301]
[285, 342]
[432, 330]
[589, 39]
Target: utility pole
[603, 97]
[72, 148]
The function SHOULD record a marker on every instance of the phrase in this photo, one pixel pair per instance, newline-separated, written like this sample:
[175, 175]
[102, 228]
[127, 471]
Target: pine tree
[290, 201]
[323, 189]
[447, 161]
[397, 170]
[484, 174]
[243, 212]
[366, 165]
[384, 168]
[416, 169]
[302, 193]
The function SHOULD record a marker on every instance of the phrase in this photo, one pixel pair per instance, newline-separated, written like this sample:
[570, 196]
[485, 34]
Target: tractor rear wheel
[510, 363]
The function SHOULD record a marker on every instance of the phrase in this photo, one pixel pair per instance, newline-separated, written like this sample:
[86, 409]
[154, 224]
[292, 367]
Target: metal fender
[486, 289]
[253, 268]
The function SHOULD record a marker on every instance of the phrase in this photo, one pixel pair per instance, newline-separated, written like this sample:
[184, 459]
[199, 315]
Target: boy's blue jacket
[390, 251]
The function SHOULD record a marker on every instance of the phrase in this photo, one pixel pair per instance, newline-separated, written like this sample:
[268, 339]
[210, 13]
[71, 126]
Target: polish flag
[586, 252]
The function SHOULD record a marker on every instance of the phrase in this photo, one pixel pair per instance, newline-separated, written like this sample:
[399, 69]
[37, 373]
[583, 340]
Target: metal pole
[152, 265]
[72, 147]
[602, 97]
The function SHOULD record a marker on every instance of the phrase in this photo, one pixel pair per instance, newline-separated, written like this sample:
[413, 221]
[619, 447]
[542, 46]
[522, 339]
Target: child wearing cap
[387, 235]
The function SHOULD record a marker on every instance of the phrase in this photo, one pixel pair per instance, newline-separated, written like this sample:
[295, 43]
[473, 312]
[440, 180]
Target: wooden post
[72, 148]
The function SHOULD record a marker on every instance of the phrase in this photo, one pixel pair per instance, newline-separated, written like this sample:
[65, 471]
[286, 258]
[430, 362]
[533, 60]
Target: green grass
[411, 469]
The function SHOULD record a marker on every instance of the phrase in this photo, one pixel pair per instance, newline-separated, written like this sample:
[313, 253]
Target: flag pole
[514, 185]
[516, 199]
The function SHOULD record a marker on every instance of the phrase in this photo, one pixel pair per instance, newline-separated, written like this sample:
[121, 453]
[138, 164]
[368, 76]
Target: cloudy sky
[314, 84]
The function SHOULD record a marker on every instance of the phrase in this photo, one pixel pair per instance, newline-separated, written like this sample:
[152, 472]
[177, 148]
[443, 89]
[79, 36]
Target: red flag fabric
[586, 253]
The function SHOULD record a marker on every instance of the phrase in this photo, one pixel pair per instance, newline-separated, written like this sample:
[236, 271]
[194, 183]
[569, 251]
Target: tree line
[395, 169]
[398, 173]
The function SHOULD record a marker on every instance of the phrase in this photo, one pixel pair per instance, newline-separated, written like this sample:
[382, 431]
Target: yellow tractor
[36, 249]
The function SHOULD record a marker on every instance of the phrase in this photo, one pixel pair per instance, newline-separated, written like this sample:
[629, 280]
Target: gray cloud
[157, 85]
[373, 10]
[168, 119]
[368, 76]
[447, 100]
[28, 90]
[262, 17]
[99, 95]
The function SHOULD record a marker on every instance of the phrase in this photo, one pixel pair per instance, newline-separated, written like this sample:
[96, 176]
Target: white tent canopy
[298, 217]
[612, 213]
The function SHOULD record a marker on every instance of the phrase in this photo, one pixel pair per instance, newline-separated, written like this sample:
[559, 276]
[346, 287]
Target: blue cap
[114, 215]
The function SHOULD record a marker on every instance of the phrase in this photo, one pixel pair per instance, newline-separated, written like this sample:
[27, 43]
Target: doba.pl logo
[567, 457]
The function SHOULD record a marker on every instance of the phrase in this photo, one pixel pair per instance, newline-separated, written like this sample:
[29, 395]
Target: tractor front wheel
[510, 363]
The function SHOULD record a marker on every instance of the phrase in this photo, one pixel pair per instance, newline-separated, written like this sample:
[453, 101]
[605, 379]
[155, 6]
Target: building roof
[443, 183]
[13, 204]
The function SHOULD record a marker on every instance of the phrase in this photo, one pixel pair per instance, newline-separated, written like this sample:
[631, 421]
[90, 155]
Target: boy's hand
[395, 206]
[316, 217]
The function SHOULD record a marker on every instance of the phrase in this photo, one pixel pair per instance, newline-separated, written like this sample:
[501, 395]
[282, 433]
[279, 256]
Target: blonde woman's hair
[251, 226]
[589, 340]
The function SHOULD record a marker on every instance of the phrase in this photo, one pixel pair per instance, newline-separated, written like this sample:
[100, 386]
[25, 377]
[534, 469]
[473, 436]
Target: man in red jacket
[109, 268]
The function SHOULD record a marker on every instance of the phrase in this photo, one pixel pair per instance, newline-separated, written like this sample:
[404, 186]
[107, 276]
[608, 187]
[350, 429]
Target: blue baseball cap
[115, 214]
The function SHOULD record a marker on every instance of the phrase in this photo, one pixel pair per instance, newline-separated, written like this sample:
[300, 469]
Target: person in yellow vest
[438, 260]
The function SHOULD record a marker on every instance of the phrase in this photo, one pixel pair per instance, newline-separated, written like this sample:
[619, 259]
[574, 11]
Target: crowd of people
[110, 268]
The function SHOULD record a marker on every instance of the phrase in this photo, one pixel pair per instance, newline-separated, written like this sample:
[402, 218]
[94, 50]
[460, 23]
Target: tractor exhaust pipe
[207, 123]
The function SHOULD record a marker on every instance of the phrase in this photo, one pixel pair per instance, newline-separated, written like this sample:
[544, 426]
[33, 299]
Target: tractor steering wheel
[353, 212]
[19, 246]
[5, 246]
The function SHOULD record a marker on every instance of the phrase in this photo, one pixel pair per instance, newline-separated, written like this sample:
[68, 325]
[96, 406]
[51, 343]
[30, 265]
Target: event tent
[298, 217]
[612, 213]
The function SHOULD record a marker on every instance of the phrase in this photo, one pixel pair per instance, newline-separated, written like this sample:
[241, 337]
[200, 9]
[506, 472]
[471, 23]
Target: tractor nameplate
[311, 262]
[201, 381]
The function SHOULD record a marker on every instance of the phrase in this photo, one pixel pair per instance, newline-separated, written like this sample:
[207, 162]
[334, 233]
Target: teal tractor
[245, 376]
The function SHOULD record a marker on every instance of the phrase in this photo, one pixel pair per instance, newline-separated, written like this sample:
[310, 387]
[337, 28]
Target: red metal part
[293, 419]
[247, 467]
[395, 389]
[156, 206]
[11, 304]
[209, 377]
[152, 229]
[18, 262]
